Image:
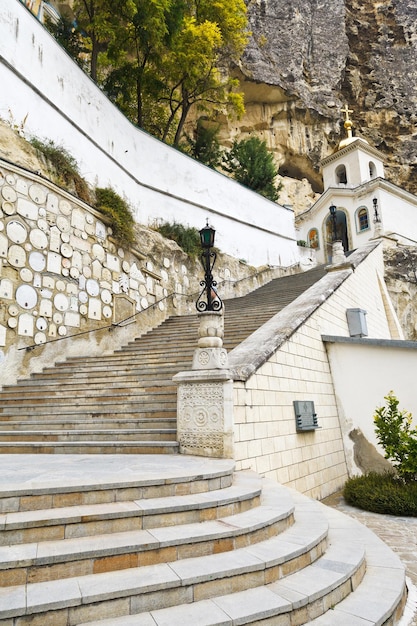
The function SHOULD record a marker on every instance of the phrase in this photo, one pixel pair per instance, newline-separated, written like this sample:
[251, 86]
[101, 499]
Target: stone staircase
[126, 402]
[170, 540]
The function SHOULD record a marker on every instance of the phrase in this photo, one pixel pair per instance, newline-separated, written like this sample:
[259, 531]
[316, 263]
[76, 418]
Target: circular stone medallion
[10, 179]
[106, 296]
[12, 322]
[13, 310]
[26, 297]
[61, 302]
[26, 275]
[97, 252]
[74, 272]
[8, 208]
[92, 287]
[57, 318]
[17, 256]
[41, 323]
[66, 250]
[38, 239]
[63, 224]
[83, 297]
[37, 261]
[60, 285]
[62, 331]
[39, 338]
[43, 225]
[65, 207]
[9, 194]
[16, 232]
[37, 194]
[107, 312]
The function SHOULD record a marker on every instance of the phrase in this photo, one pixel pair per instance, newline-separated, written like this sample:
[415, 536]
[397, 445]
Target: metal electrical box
[305, 415]
[357, 322]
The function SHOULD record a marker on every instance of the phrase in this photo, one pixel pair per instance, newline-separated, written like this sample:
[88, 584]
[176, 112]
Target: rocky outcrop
[401, 280]
[307, 58]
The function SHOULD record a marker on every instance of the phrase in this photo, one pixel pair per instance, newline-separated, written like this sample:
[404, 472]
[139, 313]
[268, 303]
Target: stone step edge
[245, 488]
[216, 475]
[259, 561]
[89, 447]
[372, 599]
[86, 555]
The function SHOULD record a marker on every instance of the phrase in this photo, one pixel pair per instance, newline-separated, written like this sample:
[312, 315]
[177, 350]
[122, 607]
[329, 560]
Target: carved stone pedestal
[205, 395]
[205, 413]
[338, 253]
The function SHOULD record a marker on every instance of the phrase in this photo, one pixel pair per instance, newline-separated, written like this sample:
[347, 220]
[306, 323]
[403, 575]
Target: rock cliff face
[307, 58]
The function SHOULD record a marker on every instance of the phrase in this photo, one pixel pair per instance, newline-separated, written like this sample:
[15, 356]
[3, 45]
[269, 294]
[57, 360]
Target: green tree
[395, 434]
[251, 164]
[169, 60]
[204, 144]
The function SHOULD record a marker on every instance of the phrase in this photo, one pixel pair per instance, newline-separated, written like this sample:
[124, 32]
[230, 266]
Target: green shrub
[382, 493]
[187, 238]
[397, 437]
[65, 167]
[111, 204]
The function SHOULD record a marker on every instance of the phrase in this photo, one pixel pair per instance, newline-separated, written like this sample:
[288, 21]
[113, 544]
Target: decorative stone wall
[61, 271]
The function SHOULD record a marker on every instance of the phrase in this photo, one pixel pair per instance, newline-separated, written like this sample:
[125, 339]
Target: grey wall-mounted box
[357, 322]
[305, 415]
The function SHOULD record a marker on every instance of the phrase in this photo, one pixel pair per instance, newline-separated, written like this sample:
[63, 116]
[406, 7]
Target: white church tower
[358, 203]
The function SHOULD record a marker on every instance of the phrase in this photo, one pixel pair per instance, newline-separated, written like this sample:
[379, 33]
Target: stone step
[95, 424]
[134, 434]
[81, 480]
[134, 402]
[357, 582]
[17, 395]
[84, 520]
[67, 412]
[90, 447]
[68, 558]
[171, 582]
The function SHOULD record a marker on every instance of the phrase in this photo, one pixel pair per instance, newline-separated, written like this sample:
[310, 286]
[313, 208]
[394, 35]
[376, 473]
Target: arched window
[362, 219]
[372, 169]
[313, 239]
[341, 177]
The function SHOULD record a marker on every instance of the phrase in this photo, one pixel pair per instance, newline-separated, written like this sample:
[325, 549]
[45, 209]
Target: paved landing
[399, 533]
[40, 471]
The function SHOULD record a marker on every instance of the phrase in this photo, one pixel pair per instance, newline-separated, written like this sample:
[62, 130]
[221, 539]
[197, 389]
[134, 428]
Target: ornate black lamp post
[377, 219]
[212, 301]
[333, 210]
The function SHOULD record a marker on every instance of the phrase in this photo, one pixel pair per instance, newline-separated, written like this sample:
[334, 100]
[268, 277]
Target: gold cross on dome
[346, 111]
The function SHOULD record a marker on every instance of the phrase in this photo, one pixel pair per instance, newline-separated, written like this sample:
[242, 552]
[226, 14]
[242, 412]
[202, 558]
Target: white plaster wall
[47, 93]
[398, 216]
[363, 375]
[266, 439]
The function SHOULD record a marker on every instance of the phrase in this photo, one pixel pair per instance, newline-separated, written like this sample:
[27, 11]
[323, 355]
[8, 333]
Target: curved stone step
[66, 558]
[89, 519]
[171, 583]
[86, 479]
[357, 582]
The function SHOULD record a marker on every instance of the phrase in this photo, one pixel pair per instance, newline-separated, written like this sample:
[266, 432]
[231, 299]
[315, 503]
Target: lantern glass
[333, 210]
[207, 237]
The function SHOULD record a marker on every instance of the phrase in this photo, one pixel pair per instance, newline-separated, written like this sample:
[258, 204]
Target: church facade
[358, 204]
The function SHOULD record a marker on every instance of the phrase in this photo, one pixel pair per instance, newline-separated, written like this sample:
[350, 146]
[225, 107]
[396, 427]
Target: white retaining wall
[44, 91]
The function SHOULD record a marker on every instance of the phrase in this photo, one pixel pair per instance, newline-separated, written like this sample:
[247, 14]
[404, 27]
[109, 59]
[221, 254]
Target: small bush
[395, 434]
[187, 238]
[382, 493]
[111, 204]
[65, 168]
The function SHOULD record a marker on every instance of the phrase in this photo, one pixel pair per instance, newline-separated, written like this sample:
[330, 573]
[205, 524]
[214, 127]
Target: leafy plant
[251, 164]
[395, 434]
[382, 493]
[65, 167]
[111, 204]
[187, 238]
[204, 145]
[302, 243]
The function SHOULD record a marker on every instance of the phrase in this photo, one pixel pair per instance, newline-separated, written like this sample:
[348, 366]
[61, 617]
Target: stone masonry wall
[266, 439]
